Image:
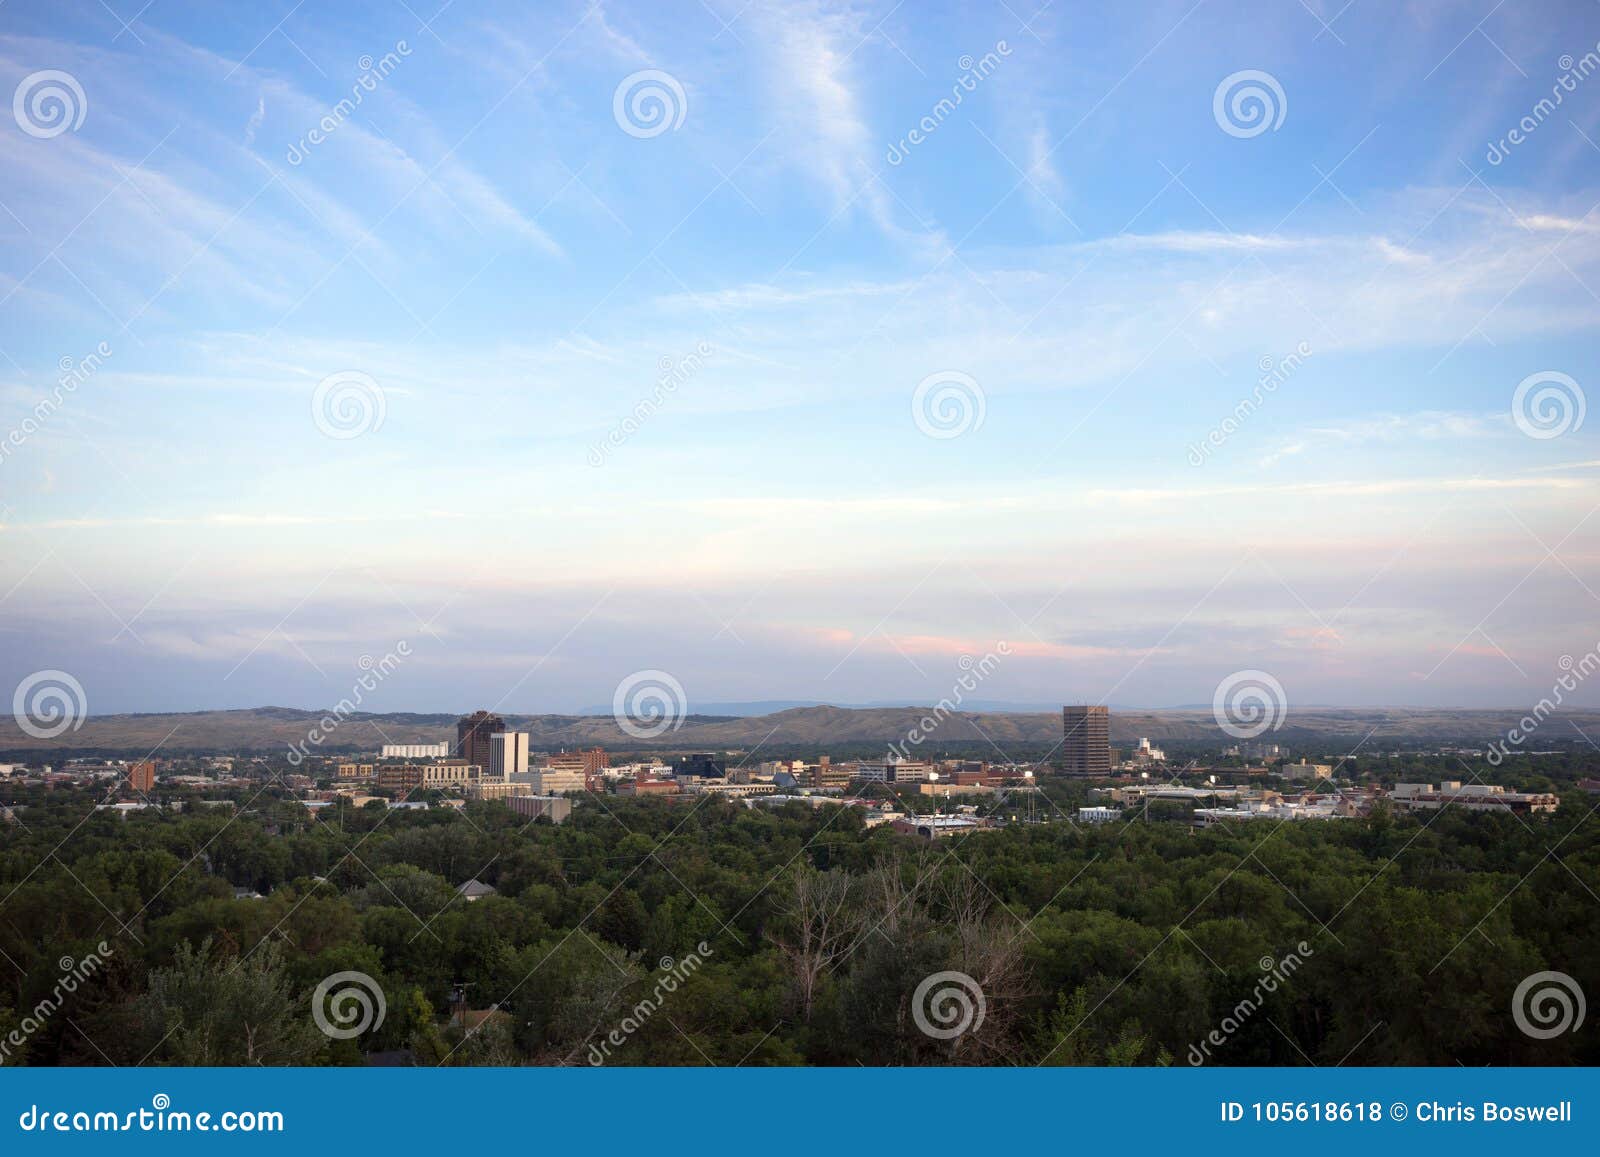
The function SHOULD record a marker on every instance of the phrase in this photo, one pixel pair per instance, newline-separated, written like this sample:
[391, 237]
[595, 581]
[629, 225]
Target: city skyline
[417, 329]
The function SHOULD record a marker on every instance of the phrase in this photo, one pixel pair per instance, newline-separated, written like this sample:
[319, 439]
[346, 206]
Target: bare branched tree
[817, 924]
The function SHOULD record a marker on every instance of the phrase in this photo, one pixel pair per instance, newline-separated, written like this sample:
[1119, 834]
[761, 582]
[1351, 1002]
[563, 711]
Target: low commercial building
[533, 806]
[591, 764]
[892, 771]
[723, 787]
[1473, 796]
[1323, 808]
[826, 775]
[1134, 793]
[648, 787]
[427, 776]
[415, 751]
[937, 827]
[554, 781]
[357, 770]
[945, 790]
[498, 789]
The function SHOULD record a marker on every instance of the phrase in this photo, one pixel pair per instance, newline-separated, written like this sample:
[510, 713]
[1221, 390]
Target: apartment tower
[1086, 740]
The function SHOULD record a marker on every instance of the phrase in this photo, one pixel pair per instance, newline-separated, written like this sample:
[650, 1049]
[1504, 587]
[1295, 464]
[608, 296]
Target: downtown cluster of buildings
[489, 761]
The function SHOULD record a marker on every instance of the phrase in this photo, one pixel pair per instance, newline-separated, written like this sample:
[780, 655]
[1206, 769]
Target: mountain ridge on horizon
[264, 729]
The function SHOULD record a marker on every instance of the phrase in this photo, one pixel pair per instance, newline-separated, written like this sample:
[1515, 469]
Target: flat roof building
[142, 776]
[534, 806]
[508, 754]
[415, 750]
[472, 736]
[1086, 740]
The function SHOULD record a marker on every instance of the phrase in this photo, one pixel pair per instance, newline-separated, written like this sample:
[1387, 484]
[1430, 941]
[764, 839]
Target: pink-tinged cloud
[1036, 649]
[1320, 638]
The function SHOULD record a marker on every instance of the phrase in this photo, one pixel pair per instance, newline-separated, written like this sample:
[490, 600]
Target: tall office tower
[472, 736]
[1086, 740]
[508, 754]
[142, 776]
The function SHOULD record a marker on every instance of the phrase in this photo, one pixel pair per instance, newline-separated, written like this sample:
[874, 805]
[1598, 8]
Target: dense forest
[655, 932]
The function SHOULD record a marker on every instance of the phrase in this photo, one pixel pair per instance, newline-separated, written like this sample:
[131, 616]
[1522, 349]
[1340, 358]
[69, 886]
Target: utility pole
[458, 997]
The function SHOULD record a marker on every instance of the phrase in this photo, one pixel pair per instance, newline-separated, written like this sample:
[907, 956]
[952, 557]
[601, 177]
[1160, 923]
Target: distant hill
[266, 729]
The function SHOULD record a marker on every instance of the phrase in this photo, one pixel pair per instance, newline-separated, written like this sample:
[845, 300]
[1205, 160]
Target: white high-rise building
[508, 754]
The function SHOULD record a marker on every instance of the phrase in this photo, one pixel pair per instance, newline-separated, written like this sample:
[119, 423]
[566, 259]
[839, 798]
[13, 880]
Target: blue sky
[1093, 244]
